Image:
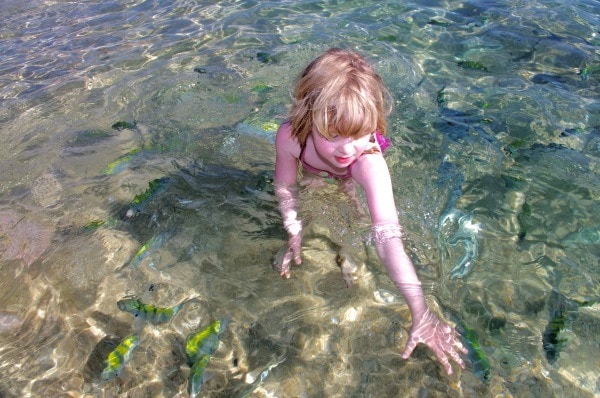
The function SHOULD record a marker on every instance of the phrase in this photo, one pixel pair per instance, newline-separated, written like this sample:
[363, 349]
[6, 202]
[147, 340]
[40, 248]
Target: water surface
[494, 159]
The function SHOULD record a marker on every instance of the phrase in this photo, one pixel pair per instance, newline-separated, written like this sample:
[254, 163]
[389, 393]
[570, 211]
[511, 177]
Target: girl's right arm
[287, 152]
[372, 174]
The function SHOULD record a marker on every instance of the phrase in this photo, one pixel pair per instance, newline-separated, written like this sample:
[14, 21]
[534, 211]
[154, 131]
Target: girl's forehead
[345, 121]
[332, 132]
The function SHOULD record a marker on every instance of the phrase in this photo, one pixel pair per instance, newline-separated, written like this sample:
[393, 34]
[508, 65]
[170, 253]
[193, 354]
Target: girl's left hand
[440, 337]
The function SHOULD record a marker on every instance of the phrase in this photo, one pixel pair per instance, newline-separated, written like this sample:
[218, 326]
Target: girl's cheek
[362, 144]
[327, 146]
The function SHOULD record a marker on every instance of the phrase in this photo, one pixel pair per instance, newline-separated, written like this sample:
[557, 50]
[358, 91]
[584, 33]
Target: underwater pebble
[46, 190]
[9, 322]
[384, 296]
[351, 314]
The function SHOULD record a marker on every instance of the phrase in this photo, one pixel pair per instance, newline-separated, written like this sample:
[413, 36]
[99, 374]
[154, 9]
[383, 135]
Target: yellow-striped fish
[155, 188]
[119, 165]
[197, 375]
[205, 341]
[119, 357]
[148, 312]
[95, 224]
[149, 247]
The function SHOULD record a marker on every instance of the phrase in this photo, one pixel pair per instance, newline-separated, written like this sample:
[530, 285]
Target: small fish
[479, 361]
[551, 342]
[441, 98]
[472, 65]
[265, 181]
[586, 71]
[149, 312]
[437, 22]
[262, 88]
[197, 375]
[95, 224]
[119, 357]
[563, 312]
[119, 165]
[204, 341]
[388, 38]
[155, 187]
[258, 127]
[152, 244]
[521, 218]
[266, 58]
[121, 125]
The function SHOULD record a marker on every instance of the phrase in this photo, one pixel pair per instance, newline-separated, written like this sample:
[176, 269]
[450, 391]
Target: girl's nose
[347, 146]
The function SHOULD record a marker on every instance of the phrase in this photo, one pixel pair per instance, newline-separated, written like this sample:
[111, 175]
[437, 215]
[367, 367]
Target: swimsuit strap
[382, 141]
[325, 172]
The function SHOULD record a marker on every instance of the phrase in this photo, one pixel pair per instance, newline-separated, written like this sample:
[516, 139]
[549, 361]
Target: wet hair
[338, 94]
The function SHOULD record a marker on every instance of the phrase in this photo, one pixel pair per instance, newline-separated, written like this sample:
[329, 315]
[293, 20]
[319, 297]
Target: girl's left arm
[372, 173]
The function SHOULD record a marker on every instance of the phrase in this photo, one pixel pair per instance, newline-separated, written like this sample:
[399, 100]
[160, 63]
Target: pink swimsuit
[382, 140]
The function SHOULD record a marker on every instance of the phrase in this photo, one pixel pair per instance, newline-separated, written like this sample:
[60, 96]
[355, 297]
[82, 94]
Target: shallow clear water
[495, 154]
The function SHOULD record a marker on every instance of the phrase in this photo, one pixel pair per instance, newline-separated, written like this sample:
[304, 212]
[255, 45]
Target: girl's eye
[337, 137]
[332, 137]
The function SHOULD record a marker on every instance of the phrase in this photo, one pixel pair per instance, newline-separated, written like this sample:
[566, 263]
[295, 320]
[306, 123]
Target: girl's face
[340, 151]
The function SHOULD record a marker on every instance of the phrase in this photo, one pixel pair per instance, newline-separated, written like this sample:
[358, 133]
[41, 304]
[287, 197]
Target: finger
[457, 343]
[295, 249]
[449, 370]
[293, 254]
[461, 347]
[456, 357]
[444, 361]
[410, 346]
[297, 257]
[285, 270]
[447, 329]
[285, 265]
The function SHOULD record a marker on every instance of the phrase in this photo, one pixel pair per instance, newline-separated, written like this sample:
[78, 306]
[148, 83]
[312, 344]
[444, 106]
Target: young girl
[337, 129]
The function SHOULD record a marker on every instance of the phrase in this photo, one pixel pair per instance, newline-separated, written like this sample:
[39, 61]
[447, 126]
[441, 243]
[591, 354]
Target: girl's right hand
[282, 262]
[440, 337]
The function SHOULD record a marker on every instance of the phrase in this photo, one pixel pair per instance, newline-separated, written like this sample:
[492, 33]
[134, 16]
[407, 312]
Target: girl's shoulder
[286, 141]
[370, 167]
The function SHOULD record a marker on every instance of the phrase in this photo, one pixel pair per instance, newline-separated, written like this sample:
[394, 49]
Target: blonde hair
[339, 94]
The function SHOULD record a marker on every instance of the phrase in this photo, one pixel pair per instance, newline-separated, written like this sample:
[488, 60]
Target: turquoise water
[136, 161]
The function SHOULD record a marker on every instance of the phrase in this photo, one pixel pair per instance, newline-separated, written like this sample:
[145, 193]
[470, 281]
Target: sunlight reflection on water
[495, 119]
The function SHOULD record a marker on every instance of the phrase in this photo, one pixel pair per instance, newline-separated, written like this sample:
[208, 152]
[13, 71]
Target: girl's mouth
[343, 160]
